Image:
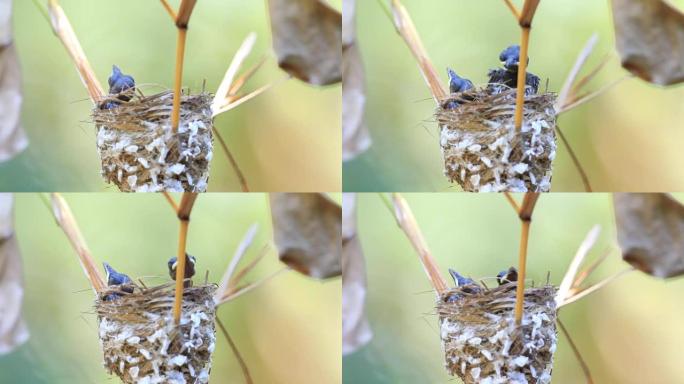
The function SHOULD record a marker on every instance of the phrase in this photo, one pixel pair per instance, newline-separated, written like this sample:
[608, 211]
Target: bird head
[189, 266]
[508, 276]
[114, 277]
[510, 57]
[457, 83]
[119, 82]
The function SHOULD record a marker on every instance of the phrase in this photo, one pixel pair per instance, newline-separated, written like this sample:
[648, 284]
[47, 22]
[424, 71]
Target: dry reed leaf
[240, 251]
[307, 230]
[355, 136]
[406, 29]
[307, 39]
[67, 222]
[565, 288]
[407, 222]
[13, 139]
[650, 229]
[356, 331]
[13, 330]
[566, 92]
[62, 28]
[650, 39]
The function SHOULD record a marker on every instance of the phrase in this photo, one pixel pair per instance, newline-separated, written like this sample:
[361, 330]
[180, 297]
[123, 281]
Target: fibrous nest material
[141, 153]
[141, 342]
[482, 343]
[482, 150]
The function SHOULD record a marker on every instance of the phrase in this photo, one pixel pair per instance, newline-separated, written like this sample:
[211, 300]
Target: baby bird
[118, 83]
[508, 75]
[189, 268]
[457, 84]
[116, 279]
[466, 284]
[508, 276]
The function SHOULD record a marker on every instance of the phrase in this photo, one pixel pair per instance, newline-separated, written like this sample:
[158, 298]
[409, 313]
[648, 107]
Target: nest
[482, 150]
[141, 153]
[482, 344]
[142, 344]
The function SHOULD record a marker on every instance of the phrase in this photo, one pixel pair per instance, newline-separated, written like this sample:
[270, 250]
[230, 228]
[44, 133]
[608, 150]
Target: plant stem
[233, 162]
[522, 74]
[513, 9]
[575, 160]
[180, 53]
[522, 265]
[238, 356]
[575, 350]
[180, 270]
[170, 10]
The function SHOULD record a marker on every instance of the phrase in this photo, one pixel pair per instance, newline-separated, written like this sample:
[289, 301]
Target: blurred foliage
[137, 235]
[628, 139]
[274, 137]
[634, 319]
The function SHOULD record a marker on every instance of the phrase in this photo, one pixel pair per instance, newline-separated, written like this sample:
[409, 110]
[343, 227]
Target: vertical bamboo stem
[180, 53]
[522, 266]
[522, 75]
[180, 270]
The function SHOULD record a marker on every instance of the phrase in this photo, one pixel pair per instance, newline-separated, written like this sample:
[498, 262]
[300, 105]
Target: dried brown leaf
[356, 331]
[307, 39]
[13, 330]
[650, 38]
[307, 230]
[650, 228]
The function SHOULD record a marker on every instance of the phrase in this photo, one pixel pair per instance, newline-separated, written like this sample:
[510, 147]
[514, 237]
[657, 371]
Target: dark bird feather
[501, 79]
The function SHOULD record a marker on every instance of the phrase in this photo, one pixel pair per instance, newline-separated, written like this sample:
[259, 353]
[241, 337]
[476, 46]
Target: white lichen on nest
[482, 150]
[482, 343]
[141, 153]
[142, 344]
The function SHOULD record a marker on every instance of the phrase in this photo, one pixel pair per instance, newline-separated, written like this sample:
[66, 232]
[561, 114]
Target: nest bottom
[142, 344]
[482, 344]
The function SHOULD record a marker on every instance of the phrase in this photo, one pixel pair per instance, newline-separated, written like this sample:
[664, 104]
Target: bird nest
[141, 342]
[482, 150]
[141, 153]
[482, 343]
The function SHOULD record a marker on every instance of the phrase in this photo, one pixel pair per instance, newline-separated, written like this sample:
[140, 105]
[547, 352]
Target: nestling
[189, 268]
[457, 84]
[508, 75]
[507, 276]
[116, 279]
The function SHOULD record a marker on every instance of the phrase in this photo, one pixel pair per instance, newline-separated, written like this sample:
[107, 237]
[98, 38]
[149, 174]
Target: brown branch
[233, 162]
[187, 202]
[407, 222]
[512, 202]
[66, 220]
[525, 215]
[513, 9]
[238, 356]
[525, 22]
[184, 13]
[575, 350]
[575, 160]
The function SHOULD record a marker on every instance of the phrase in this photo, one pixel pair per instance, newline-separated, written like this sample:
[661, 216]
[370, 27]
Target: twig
[170, 10]
[238, 356]
[575, 350]
[66, 220]
[62, 28]
[234, 294]
[171, 201]
[184, 210]
[407, 30]
[586, 97]
[575, 160]
[511, 201]
[513, 9]
[407, 222]
[233, 162]
[247, 268]
[240, 251]
[595, 287]
[525, 215]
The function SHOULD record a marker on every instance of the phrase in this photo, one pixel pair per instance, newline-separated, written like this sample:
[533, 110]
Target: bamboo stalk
[65, 219]
[407, 222]
[525, 22]
[525, 215]
[180, 52]
[184, 210]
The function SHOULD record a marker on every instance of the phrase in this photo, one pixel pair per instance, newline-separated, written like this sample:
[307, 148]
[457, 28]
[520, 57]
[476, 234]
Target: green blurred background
[629, 332]
[288, 330]
[287, 139]
[628, 139]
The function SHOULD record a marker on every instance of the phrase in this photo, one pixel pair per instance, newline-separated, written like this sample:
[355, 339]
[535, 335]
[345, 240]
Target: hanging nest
[141, 342]
[140, 152]
[482, 344]
[482, 150]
